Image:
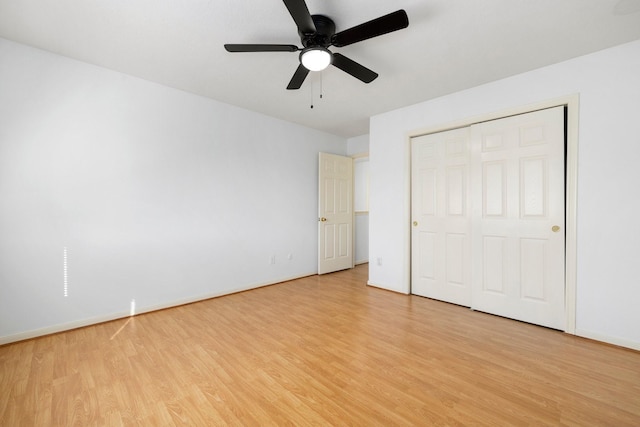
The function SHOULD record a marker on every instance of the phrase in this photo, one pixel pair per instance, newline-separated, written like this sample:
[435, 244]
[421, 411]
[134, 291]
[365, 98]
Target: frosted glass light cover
[316, 59]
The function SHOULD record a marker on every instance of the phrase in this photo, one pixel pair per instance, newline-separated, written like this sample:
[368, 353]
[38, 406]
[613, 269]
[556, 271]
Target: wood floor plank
[321, 350]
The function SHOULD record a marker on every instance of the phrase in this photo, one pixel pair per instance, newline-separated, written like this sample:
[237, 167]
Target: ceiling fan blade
[261, 48]
[298, 77]
[385, 24]
[300, 14]
[351, 67]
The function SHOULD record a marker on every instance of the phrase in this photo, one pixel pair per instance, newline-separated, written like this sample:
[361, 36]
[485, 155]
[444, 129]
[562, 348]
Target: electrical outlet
[272, 260]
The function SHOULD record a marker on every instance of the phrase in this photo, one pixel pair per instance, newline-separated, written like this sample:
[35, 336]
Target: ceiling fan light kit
[315, 58]
[317, 34]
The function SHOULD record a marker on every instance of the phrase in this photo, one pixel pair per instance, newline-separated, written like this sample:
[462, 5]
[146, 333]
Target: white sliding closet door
[440, 237]
[519, 216]
[488, 209]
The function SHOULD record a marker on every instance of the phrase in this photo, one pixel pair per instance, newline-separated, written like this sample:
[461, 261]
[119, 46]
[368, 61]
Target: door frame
[572, 102]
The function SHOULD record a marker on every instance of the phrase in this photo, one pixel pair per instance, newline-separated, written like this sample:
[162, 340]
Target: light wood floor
[317, 351]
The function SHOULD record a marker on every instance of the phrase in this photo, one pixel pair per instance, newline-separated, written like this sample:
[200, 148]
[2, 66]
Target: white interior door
[335, 213]
[441, 241]
[519, 216]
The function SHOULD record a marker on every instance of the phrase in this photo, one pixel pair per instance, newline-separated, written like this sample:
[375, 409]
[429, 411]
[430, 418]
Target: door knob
[323, 219]
[415, 223]
[555, 228]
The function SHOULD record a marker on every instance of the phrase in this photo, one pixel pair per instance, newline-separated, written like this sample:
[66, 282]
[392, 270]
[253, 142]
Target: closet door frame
[571, 102]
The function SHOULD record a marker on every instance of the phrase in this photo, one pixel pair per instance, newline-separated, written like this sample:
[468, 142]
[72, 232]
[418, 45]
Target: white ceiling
[450, 45]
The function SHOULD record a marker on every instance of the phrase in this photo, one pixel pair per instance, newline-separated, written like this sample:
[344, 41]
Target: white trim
[407, 210]
[572, 102]
[572, 99]
[622, 342]
[571, 211]
[353, 213]
[360, 158]
[35, 333]
[386, 288]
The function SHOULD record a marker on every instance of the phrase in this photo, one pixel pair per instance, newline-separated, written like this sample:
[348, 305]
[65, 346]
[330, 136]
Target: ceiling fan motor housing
[325, 29]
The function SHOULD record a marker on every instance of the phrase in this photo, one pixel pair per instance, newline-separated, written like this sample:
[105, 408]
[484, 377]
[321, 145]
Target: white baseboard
[7, 339]
[621, 342]
[384, 288]
[54, 329]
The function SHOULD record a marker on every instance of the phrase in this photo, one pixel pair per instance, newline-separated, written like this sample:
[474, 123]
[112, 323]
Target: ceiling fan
[318, 33]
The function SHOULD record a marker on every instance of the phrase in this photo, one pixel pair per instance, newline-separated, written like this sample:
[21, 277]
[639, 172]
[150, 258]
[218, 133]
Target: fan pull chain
[321, 91]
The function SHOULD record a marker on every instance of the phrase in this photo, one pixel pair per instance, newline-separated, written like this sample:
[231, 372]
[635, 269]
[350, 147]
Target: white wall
[358, 145]
[158, 195]
[608, 234]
